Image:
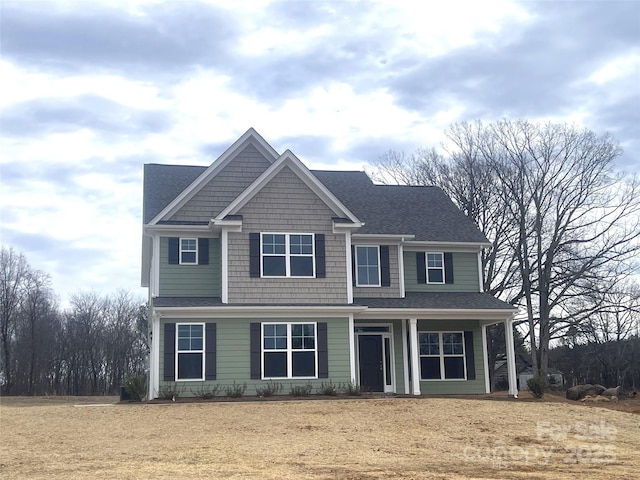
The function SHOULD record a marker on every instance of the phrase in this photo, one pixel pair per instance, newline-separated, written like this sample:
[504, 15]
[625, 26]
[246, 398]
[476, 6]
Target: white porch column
[511, 357]
[415, 359]
[352, 349]
[485, 356]
[154, 357]
[405, 357]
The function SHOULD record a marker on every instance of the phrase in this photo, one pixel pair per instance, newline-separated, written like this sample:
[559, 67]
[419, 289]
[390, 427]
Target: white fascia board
[491, 315]
[228, 225]
[288, 159]
[249, 136]
[339, 227]
[417, 245]
[240, 311]
[371, 238]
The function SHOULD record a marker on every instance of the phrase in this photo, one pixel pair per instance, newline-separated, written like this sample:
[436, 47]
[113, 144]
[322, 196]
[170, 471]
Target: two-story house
[260, 270]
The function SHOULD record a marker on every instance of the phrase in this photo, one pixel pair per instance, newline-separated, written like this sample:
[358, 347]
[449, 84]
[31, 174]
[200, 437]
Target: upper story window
[367, 266]
[287, 255]
[435, 268]
[188, 251]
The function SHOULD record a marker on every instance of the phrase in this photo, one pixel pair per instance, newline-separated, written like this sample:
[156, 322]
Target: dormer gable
[226, 178]
[290, 162]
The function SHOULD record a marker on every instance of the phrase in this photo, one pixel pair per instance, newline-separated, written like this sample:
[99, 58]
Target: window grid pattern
[435, 268]
[287, 255]
[442, 356]
[367, 266]
[188, 251]
[289, 350]
[190, 351]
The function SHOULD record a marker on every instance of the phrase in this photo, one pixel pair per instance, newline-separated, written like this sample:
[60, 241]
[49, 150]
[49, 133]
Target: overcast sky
[92, 90]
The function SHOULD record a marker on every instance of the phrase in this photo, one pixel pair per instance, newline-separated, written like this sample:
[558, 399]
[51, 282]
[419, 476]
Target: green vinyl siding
[233, 355]
[453, 387]
[465, 274]
[190, 280]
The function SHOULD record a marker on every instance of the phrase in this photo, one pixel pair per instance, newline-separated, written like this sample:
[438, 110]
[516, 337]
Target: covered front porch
[427, 350]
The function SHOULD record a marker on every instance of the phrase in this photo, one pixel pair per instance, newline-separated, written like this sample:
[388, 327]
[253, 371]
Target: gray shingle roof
[430, 300]
[163, 183]
[425, 212]
[438, 300]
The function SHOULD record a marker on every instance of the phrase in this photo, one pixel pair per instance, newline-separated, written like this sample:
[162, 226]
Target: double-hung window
[367, 266]
[287, 255]
[190, 351]
[188, 251]
[442, 356]
[289, 350]
[435, 268]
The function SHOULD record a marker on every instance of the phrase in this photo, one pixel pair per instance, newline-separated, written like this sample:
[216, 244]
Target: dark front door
[371, 368]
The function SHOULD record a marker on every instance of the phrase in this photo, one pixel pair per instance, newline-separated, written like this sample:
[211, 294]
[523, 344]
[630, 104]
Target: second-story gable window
[435, 268]
[188, 251]
[367, 266]
[287, 255]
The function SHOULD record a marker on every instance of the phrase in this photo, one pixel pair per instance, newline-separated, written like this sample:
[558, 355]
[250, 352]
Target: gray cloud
[167, 39]
[54, 115]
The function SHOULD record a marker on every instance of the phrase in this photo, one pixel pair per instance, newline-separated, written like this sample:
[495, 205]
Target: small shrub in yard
[328, 388]
[169, 392]
[536, 386]
[300, 390]
[269, 389]
[235, 390]
[206, 393]
[135, 387]
[352, 389]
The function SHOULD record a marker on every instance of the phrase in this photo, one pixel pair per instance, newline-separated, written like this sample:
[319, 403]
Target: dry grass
[425, 438]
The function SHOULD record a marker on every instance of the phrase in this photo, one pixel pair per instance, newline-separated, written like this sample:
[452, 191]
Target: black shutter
[203, 251]
[320, 257]
[255, 340]
[385, 274]
[174, 250]
[421, 267]
[323, 351]
[210, 352]
[254, 255]
[468, 353]
[448, 267]
[169, 352]
[353, 265]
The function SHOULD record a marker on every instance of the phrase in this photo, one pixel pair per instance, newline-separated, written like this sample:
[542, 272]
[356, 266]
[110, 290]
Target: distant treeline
[88, 348]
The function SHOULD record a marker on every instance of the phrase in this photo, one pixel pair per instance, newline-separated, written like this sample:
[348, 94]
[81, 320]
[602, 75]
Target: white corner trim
[349, 269]
[155, 269]
[288, 159]
[249, 136]
[480, 283]
[401, 270]
[224, 244]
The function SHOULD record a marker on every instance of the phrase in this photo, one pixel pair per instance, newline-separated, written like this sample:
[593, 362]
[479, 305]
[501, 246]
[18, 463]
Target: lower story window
[289, 350]
[442, 356]
[190, 351]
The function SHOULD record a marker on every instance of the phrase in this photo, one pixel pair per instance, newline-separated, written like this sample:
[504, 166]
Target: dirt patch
[365, 438]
